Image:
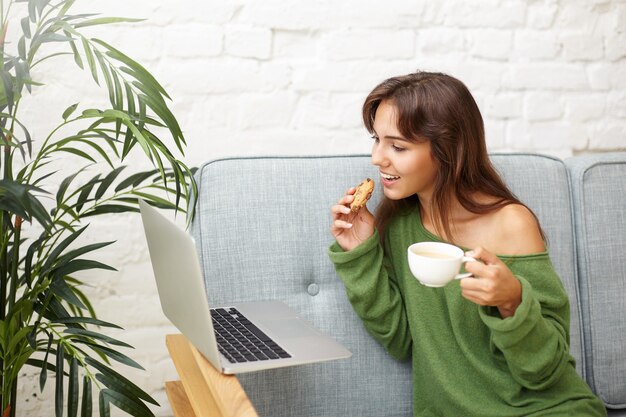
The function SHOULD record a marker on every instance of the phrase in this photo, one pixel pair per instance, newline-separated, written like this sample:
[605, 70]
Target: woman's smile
[388, 180]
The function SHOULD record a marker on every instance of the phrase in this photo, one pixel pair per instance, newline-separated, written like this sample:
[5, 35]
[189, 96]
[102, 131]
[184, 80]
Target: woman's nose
[378, 157]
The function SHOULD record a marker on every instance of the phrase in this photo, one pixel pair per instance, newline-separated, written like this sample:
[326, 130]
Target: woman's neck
[457, 217]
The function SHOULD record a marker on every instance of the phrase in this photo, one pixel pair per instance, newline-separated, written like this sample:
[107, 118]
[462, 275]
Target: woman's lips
[388, 179]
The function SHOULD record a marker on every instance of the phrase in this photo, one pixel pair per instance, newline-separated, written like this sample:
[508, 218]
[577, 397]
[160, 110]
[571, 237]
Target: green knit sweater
[467, 360]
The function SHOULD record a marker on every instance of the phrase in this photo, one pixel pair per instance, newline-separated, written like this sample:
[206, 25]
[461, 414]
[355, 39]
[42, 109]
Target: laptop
[237, 337]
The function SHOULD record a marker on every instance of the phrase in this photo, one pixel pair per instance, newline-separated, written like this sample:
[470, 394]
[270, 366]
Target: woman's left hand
[493, 283]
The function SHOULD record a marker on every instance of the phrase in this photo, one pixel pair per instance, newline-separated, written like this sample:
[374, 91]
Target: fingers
[340, 209]
[341, 224]
[484, 255]
[343, 205]
[493, 284]
[477, 297]
[340, 213]
[348, 197]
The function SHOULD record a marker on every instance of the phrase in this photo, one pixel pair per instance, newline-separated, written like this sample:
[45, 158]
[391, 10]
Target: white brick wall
[288, 77]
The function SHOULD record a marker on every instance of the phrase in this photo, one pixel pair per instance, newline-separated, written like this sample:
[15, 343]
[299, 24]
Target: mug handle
[465, 274]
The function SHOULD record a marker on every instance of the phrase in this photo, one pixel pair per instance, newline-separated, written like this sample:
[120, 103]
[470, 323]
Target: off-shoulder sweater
[466, 359]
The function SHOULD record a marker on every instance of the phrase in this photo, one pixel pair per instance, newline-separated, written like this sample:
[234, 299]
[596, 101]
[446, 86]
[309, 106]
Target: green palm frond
[46, 320]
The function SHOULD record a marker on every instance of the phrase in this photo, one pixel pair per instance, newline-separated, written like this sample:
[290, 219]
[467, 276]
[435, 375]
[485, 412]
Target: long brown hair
[440, 109]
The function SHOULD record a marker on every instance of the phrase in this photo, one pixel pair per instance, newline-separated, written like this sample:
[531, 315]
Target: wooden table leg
[209, 393]
[178, 399]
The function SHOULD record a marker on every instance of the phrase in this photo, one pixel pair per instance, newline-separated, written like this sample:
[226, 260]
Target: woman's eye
[397, 148]
[375, 138]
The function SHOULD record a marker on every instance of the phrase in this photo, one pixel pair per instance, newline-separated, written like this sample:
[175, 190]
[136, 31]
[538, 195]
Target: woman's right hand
[350, 229]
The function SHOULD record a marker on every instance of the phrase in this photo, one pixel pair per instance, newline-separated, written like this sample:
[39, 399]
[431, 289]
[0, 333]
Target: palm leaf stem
[5, 15]
[76, 353]
[13, 399]
[16, 260]
[34, 64]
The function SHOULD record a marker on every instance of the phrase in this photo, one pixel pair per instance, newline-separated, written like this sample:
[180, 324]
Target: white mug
[434, 264]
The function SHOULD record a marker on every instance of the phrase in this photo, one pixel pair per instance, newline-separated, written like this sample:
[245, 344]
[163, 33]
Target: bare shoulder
[518, 231]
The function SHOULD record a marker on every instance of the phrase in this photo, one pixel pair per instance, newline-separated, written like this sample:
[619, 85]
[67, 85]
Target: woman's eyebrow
[392, 137]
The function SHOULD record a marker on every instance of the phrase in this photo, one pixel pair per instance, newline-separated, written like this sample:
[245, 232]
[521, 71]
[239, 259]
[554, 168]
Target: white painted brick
[575, 16]
[608, 136]
[485, 14]
[599, 75]
[587, 107]
[192, 41]
[615, 74]
[542, 106]
[490, 43]
[265, 110]
[323, 110]
[143, 43]
[295, 45]
[316, 111]
[380, 44]
[278, 14]
[518, 137]
[348, 108]
[199, 11]
[247, 42]
[433, 14]
[495, 134]
[551, 135]
[229, 75]
[281, 141]
[619, 17]
[582, 46]
[536, 44]
[503, 105]
[440, 40]
[371, 14]
[541, 15]
[549, 76]
[616, 46]
[616, 105]
[351, 141]
[347, 76]
[478, 75]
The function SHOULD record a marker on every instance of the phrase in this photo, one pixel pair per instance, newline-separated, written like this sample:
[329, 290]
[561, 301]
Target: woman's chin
[393, 194]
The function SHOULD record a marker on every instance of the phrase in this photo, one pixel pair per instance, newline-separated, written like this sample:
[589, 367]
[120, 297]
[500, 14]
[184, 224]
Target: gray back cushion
[541, 182]
[263, 229]
[599, 195]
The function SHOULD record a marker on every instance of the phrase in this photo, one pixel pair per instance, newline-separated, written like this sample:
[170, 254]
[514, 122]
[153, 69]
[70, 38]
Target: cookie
[362, 194]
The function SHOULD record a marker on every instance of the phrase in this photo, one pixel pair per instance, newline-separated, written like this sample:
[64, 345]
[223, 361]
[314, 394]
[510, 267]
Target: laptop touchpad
[289, 328]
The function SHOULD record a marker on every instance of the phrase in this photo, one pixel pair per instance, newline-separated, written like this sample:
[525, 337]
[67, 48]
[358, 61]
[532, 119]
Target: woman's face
[406, 167]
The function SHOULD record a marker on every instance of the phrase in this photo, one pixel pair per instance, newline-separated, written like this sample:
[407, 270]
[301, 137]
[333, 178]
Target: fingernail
[469, 253]
[349, 225]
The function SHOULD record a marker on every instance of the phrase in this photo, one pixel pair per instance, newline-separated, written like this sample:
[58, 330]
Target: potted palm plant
[46, 320]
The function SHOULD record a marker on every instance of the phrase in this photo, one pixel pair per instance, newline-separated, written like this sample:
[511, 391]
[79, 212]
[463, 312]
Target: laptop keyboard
[241, 341]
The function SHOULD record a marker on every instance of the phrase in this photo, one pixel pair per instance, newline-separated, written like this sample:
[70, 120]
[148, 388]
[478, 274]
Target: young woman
[495, 344]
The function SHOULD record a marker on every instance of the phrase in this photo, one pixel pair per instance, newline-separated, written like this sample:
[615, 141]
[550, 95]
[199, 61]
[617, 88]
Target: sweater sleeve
[535, 340]
[374, 294]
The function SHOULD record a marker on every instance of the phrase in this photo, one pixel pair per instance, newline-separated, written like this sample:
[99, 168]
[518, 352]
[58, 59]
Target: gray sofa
[263, 231]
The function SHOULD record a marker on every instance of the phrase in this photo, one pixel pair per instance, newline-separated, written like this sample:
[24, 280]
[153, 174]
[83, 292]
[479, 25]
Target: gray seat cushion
[599, 196]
